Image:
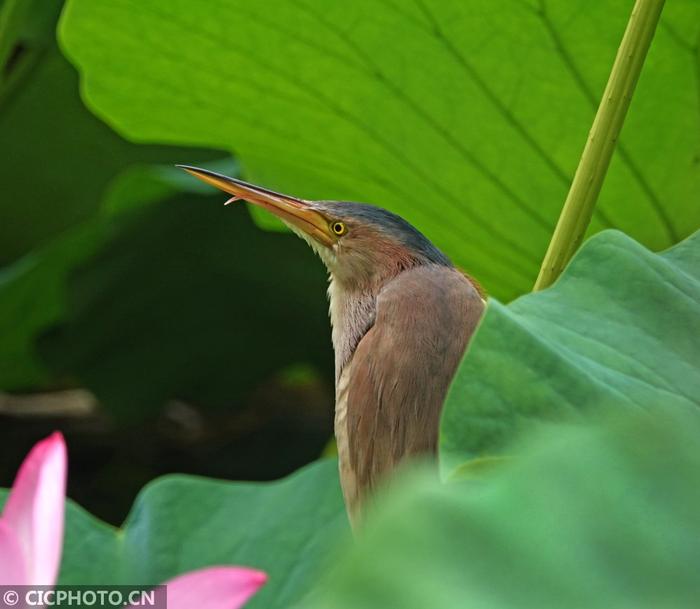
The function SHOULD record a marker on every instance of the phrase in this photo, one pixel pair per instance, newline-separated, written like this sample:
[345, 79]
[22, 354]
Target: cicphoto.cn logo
[24, 597]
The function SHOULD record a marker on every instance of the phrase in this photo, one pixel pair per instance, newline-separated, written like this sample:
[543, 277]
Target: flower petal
[12, 568]
[214, 588]
[35, 507]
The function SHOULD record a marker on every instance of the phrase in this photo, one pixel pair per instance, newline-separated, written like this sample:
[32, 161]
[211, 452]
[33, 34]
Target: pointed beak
[297, 212]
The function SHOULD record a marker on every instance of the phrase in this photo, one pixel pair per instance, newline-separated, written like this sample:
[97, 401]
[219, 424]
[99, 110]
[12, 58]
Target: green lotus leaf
[618, 331]
[467, 118]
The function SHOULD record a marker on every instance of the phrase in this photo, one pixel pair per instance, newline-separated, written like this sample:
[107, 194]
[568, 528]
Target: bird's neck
[352, 312]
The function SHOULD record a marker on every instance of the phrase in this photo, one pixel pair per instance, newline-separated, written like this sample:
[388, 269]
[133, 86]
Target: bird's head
[361, 245]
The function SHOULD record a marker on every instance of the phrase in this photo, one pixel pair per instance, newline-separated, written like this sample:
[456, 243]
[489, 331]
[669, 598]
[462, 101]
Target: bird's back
[390, 393]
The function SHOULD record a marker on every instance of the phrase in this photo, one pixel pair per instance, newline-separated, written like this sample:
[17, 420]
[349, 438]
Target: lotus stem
[595, 160]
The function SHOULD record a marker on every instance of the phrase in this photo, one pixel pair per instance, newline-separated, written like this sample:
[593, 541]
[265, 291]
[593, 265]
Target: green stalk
[585, 188]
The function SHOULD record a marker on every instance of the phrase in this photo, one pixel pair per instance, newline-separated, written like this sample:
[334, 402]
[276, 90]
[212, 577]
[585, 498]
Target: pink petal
[12, 569]
[214, 588]
[34, 509]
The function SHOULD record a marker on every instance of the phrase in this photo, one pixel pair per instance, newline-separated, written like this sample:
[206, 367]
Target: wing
[392, 390]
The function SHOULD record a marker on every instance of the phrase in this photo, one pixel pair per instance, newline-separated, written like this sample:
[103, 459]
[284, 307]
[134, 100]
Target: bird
[401, 314]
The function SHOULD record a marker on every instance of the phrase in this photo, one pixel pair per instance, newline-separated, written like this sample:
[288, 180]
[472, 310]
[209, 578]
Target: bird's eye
[339, 228]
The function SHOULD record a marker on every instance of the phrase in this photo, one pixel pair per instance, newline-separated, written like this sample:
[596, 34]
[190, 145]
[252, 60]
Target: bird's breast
[352, 313]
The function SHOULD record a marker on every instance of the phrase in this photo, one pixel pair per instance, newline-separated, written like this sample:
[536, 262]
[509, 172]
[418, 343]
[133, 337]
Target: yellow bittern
[401, 315]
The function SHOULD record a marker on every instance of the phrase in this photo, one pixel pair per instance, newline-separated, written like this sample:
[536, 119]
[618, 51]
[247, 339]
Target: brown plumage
[391, 392]
[402, 315]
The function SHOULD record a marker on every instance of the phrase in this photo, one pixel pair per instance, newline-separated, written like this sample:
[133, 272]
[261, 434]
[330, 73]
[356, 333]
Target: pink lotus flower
[31, 538]
[31, 526]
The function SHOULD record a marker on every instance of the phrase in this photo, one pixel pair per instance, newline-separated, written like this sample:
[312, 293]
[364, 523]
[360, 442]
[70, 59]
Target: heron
[401, 315]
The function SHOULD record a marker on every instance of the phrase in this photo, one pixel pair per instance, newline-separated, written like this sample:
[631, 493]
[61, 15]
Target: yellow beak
[297, 212]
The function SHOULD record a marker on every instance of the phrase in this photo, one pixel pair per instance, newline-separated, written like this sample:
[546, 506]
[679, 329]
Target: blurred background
[168, 336]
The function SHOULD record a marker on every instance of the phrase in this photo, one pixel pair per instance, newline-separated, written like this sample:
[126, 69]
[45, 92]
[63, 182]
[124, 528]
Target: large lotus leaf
[618, 330]
[467, 118]
[181, 523]
[586, 517]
